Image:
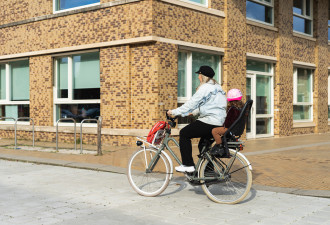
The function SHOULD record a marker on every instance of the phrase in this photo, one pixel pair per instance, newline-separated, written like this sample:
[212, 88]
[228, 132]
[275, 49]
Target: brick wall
[107, 24]
[41, 90]
[17, 10]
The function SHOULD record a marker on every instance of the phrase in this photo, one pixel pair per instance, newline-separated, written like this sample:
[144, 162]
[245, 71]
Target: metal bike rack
[99, 135]
[24, 118]
[66, 119]
[81, 134]
[6, 118]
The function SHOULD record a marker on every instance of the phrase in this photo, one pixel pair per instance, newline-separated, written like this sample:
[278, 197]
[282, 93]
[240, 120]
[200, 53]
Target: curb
[294, 191]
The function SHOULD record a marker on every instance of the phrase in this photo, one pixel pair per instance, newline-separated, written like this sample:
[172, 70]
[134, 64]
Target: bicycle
[224, 180]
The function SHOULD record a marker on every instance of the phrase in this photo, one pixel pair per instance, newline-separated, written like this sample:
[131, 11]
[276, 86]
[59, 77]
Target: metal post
[11, 118]
[99, 129]
[81, 125]
[24, 118]
[63, 119]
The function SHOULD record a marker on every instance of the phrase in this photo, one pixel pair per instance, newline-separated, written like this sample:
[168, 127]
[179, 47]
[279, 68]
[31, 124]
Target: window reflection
[258, 12]
[78, 111]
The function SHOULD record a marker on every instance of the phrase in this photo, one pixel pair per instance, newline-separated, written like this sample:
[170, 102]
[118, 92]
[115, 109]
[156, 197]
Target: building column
[283, 94]
[234, 60]
[115, 87]
[320, 95]
[41, 90]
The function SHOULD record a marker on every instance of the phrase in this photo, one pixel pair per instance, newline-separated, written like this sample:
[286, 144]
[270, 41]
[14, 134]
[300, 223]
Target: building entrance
[259, 88]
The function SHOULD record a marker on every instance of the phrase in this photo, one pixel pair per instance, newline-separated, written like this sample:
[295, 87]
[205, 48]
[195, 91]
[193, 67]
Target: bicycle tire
[150, 183]
[235, 187]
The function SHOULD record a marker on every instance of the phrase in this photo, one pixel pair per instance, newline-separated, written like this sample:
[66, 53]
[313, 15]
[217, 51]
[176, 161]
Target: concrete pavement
[33, 194]
[298, 164]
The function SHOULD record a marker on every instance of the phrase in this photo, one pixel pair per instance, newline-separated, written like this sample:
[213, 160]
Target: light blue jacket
[209, 102]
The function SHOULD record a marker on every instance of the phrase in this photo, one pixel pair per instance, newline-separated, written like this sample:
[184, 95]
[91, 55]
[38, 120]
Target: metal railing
[99, 125]
[81, 134]
[66, 119]
[24, 118]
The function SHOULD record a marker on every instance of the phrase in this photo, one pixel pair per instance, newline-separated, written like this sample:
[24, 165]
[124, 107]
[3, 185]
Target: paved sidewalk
[33, 194]
[298, 164]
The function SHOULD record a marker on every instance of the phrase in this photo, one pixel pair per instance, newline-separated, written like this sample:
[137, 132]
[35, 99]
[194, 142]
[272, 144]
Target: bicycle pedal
[195, 182]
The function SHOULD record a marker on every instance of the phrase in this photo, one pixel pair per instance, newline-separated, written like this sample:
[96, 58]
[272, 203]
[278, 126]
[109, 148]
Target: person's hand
[169, 112]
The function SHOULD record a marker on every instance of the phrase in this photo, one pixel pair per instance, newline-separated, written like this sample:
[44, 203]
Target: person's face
[200, 77]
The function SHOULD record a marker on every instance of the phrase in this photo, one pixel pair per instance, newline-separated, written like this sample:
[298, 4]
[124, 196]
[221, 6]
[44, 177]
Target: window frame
[198, 4]
[267, 4]
[305, 17]
[7, 100]
[182, 100]
[295, 93]
[69, 100]
[55, 2]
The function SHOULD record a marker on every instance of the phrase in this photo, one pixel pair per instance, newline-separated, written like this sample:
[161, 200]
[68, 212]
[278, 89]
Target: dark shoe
[217, 151]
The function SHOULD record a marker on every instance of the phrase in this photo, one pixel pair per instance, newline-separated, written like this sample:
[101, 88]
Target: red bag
[153, 136]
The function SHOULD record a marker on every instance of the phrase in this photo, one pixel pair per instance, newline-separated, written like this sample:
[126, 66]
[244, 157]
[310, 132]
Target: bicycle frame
[194, 176]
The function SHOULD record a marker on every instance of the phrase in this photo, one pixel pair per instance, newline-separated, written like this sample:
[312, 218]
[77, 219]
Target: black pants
[194, 130]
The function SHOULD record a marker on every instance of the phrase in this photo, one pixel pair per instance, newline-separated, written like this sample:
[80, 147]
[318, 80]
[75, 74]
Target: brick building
[129, 60]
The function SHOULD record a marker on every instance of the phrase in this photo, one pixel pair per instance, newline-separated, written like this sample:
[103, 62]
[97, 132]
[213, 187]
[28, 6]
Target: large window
[70, 4]
[77, 86]
[302, 94]
[260, 10]
[188, 63]
[303, 16]
[14, 89]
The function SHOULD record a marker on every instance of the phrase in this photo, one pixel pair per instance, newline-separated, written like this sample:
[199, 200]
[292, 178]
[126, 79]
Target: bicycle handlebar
[171, 122]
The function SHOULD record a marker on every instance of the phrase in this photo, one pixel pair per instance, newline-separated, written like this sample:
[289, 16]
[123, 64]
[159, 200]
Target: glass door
[263, 101]
[259, 89]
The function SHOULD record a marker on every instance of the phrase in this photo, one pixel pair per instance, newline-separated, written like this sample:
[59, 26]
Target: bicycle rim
[234, 187]
[148, 183]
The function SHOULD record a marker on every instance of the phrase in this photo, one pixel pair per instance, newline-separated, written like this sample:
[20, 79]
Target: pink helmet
[234, 94]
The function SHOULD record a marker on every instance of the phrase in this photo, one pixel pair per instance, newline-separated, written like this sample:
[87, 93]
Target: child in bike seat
[234, 107]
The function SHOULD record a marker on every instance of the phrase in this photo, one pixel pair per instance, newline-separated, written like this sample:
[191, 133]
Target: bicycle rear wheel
[235, 184]
[144, 182]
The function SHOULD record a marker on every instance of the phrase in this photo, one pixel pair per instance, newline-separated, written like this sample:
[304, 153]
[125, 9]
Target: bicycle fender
[170, 162]
[247, 161]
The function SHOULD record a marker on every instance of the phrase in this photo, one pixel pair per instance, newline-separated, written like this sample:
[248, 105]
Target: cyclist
[209, 103]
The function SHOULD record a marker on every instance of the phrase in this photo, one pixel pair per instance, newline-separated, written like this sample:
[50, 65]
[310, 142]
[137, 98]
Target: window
[60, 5]
[302, 16]
[260, 10]
[188, 63]
[199, 2]
[14, 89]
[302, 94]
[77, 86]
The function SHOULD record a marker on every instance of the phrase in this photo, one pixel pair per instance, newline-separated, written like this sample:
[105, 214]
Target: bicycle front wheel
[230, 187]
[148, 182]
